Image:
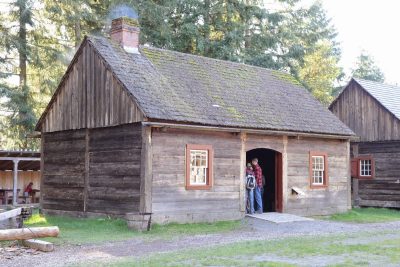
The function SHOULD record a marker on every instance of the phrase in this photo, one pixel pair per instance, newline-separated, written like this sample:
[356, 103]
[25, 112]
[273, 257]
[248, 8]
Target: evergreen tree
[367, 69]
[18, 103]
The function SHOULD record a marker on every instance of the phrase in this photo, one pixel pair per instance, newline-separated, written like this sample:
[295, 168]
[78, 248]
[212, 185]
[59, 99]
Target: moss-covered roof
[186, 88]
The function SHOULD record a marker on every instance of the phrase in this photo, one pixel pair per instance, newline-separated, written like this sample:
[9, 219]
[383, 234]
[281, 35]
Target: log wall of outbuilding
[383, 190]
[92, 170]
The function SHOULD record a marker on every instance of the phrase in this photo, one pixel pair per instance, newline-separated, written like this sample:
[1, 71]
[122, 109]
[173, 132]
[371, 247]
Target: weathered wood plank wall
[89, 97]
[331, 199]
[64, 170]
[171, 202]
[365, 116]
[377, 193]
[95, 170]
[384, 189]
[386, 156]
[114, 169]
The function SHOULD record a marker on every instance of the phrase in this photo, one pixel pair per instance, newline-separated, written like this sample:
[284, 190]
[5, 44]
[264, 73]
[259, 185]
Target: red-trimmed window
[363, 167]
[318, 169]
[199, 162]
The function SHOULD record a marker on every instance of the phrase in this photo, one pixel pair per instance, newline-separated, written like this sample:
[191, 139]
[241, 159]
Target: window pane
[365, 167]
[318, 168]
[198, 167]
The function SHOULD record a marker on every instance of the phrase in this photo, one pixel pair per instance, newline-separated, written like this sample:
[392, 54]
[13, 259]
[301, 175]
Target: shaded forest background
[38, 39]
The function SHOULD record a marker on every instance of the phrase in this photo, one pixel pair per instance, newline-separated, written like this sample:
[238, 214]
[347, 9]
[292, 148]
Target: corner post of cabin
[348, 159]
[41, 168]
[284, 173]
[146, 173]
[15, 181]
[242, 197]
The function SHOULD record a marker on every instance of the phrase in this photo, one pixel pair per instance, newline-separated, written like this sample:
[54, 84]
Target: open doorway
[270, 162]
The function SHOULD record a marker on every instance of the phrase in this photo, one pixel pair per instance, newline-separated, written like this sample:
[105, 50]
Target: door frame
[278, 182]
[278, 177]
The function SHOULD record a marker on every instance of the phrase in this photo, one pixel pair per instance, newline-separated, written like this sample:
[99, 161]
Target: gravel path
[253, 229]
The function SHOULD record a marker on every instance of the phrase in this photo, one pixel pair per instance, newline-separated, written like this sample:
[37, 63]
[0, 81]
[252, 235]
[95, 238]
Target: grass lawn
[343, 250]
[367, 215]
[95, 230]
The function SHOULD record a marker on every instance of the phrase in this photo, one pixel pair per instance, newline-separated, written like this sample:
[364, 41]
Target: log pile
[28, 235]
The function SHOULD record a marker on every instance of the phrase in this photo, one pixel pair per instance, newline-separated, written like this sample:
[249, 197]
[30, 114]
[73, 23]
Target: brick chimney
[125, 31]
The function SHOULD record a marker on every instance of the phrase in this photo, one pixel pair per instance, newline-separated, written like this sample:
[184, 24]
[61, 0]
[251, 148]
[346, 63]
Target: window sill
[198, 187]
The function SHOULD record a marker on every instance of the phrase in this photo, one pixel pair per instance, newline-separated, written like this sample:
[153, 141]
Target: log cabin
[372, 111]
[139, 130]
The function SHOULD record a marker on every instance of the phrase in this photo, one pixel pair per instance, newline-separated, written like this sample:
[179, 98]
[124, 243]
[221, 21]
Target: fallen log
[29, 233]
[39, 245]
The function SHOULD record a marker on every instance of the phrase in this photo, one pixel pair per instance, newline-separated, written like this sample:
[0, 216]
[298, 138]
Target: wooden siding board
[88, 171]
[365, 116]
[90, 96]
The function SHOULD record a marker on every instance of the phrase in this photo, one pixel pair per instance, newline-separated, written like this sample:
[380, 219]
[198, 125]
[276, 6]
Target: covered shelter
[17, 169]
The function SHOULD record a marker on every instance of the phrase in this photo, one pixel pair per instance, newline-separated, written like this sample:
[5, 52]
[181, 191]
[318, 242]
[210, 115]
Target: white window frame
[318, 170]
[205, 168]
[363, 164]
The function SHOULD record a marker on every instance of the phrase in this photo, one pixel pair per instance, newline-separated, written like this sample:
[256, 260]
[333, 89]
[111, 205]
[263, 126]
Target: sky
[370, 25]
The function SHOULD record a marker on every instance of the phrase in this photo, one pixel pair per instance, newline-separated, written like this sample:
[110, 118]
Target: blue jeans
[250, 201]
[258, 197]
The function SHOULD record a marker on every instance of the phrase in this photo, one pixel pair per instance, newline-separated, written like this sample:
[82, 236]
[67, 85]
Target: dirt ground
[253, 229]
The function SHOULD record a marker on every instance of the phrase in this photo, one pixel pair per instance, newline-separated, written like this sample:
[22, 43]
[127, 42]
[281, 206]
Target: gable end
[89, 96]
[365, 115]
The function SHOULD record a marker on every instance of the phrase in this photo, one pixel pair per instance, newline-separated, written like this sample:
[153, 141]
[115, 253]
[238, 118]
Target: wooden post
[355, 192]
[86, 181]
[146, 172]
[284, 173]
[41, 167]
[15, 182]
[348, 160]
[242, 192]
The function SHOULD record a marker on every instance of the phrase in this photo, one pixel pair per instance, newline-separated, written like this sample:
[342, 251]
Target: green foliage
[367, 69]
[16, 50]
[367, 215]
[37, 44]
[319, 72]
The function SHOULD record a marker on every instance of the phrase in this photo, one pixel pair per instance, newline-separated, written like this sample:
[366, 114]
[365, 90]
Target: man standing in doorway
[259, 185]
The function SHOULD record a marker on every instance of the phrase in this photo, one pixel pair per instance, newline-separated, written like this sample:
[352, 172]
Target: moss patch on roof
[285, 77]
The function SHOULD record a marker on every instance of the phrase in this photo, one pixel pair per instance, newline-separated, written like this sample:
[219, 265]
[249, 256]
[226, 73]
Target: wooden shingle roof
[183, 88]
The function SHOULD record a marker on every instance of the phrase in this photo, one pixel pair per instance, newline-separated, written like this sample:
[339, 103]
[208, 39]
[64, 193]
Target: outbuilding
[135, 129]
[372, 110]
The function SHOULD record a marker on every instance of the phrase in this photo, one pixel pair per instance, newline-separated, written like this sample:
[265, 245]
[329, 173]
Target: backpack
[250, 181]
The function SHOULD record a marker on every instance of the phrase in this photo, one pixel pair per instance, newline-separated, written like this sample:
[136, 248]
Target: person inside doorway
[250, 185]
[259, 185]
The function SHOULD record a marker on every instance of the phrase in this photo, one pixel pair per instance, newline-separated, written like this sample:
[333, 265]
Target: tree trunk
[207, 21]
[22, 49]
[23, 58]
